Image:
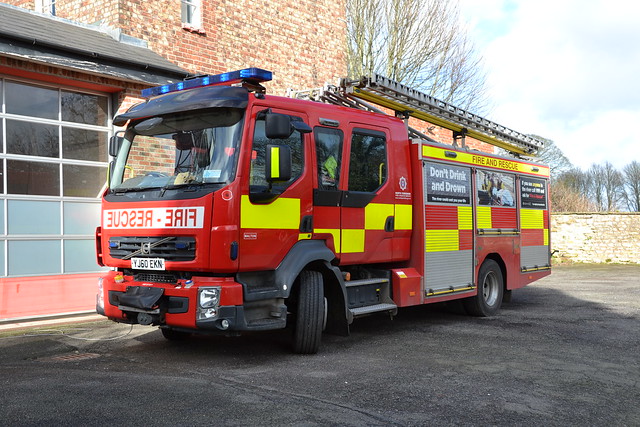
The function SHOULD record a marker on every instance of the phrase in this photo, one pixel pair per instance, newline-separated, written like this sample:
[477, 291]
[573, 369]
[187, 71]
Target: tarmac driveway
[565, 351]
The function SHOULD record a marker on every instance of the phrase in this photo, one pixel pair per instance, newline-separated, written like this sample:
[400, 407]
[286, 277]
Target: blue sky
[567, 70]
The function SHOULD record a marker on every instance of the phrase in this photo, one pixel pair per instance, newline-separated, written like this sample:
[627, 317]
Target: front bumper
[176, 306]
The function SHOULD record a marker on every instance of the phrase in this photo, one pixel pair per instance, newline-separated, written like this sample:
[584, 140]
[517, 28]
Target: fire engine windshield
[182, 149]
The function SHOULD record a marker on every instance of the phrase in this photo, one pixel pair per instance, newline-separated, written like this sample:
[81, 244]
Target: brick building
[67, 67]
[303, 41]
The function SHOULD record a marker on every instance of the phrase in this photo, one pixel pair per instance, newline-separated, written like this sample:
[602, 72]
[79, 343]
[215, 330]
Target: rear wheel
[310, 313]
[490, 291]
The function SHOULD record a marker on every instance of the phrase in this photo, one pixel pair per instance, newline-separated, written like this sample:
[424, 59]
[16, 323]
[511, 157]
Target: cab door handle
[306, 224]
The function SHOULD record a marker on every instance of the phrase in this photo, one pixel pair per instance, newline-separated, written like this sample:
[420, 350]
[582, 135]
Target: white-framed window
[191, 11]
[46, 6]
[53, 168]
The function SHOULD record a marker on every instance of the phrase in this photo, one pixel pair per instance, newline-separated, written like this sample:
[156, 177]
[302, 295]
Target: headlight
[209, 297]
[208, 313]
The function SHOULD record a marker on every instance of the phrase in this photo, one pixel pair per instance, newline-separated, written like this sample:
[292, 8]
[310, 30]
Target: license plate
[147, 263]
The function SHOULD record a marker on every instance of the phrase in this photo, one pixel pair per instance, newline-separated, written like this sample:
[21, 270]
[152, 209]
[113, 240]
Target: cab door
[328, 190]
[367, 213]
[273, 215]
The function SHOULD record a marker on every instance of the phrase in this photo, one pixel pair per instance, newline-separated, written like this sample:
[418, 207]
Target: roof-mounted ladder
[405, 102]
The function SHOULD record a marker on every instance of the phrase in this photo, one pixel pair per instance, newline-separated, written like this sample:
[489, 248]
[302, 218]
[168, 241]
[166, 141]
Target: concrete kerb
[40, 321]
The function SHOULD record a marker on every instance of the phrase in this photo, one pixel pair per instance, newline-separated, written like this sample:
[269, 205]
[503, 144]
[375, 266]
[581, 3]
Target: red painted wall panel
[47, 295]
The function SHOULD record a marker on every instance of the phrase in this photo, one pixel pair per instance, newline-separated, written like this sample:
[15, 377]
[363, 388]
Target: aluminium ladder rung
[399, 97]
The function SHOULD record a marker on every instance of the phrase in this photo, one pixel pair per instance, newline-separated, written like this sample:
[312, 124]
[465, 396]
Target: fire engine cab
[231, 210]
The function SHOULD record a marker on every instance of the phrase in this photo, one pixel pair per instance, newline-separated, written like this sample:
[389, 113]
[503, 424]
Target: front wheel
[490, 291]
[309, 316]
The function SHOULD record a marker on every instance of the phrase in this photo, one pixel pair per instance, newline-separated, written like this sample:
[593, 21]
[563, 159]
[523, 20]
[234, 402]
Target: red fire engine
[231, 210]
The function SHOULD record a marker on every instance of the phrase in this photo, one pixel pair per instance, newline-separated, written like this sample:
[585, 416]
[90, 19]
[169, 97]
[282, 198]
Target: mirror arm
[301, 126]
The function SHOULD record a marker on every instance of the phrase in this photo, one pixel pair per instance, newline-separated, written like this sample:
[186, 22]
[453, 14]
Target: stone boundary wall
[596, 237]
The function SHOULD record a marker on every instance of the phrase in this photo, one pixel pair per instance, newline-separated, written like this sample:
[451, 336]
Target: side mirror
[277, 126]
[115, 142]
[278, 163]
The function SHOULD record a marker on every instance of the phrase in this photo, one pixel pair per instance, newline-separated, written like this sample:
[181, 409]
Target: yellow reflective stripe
[527, 270]
[442, 240]
[404, 217]
[483, 215]
[375, 215]
[352, 241]
[449, 291]
[477, 159]
[546, 237]
[275, 162]
[283, 213]
[531, 219]
[335, 232]
[465, 218]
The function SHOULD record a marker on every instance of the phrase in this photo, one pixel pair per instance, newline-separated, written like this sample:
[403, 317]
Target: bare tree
[420, 43]
[365, 39]
[631, 178]
[614, 188]
[606, 187]
[570, 192]
[567, 199]
[596, 186]
[552, 156]
[576, 180]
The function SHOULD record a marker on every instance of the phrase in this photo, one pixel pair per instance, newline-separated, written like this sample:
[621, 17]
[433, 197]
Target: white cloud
[566, 70]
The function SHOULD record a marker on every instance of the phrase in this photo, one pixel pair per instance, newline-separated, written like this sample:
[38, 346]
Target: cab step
[364, 282]
[370, 295]
[375, 308]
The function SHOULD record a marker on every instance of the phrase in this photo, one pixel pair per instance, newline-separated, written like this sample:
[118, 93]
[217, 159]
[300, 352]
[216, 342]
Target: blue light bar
[257, 75]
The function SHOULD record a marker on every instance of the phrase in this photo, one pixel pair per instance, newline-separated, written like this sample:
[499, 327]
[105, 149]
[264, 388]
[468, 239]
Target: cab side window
[368, 160]
[257, 178]
[328, 153]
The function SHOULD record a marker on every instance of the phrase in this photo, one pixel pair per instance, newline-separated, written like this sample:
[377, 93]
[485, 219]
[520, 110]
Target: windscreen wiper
[185, 186]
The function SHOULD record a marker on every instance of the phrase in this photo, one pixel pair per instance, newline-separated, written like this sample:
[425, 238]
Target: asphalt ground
[565, 351]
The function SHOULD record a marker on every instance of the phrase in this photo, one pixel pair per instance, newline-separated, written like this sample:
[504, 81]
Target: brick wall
[25, 4]
[596, 238]
[302, 41]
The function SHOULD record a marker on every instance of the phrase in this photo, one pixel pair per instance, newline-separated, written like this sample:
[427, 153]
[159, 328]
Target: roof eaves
[29, 29]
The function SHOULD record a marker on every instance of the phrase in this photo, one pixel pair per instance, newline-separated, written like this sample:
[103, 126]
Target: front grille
[155, 277]
[170, 248]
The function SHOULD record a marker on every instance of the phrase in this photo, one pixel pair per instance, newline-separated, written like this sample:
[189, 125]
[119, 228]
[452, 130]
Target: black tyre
[490, 291]
[309, 315]
[173, 335]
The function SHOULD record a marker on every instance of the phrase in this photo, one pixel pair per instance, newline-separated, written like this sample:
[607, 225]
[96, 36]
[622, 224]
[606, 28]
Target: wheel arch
[280, 283]
[338, 318]
[503, 267]
[489, 292]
